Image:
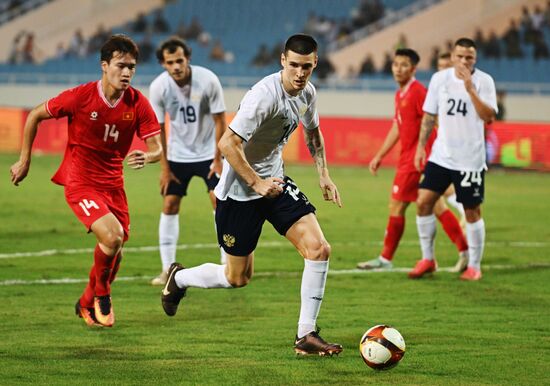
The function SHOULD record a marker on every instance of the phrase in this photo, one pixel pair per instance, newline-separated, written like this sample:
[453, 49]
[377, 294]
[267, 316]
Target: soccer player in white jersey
[462, 98]
[193, 98]
[253, 188]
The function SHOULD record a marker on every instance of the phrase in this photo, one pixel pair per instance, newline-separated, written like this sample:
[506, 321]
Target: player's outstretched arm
[316, 145]
[219, 121]
[231, 147]
[20, 169]
[389, 142]
[426, 128]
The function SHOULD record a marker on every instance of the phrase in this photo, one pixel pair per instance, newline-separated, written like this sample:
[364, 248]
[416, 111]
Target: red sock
[452, 227]
[103, 267]
[87, 298]
[116, 265]
[394, 231]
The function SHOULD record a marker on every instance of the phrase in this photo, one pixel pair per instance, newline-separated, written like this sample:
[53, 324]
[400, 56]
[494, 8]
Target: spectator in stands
[512, 41]
[537, 19]
[324, 68]
[492, 46]
[180, 29]
[480, 39]
[16, 50]
[77, 45]
[146, 48]
[60, 51]
[276, 51]
[160, 25]
[194, 30]
[29, 53]
[262, 57]
[367, 67]
[100, 36]
[388, 61]
[540, 48]
[401, 42]
[434, 58]
[311, 25]
[140, 24]
[217, 53]
[547, 13]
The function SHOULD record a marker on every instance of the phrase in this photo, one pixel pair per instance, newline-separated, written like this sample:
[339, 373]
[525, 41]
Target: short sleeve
[431, 102]
[156, 100]
[64, 104]
[488, 93]
[148, 125]
[217, 104]
[310, 120]
[256, 107]
[420, 98]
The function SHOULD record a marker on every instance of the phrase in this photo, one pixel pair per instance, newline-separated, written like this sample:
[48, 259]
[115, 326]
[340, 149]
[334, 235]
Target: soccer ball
[382, 347]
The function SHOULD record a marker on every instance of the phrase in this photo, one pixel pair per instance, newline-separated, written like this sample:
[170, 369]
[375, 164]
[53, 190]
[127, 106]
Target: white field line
[280, 274]
[266, 244]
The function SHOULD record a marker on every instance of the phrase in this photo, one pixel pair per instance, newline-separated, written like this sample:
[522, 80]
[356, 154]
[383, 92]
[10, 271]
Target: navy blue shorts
[469, 186]
[239, 223]
[184, 171]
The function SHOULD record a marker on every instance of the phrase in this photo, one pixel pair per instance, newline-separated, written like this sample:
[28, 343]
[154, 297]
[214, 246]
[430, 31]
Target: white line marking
[265, 244]
[280, 274]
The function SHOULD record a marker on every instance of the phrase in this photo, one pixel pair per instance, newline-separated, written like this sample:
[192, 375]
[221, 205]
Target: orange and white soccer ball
[382, 347]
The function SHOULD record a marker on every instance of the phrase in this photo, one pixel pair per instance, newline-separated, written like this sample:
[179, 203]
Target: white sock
[426, 226]
[169, 230]
[475, 232]
[223, 256]
[313, 288]
[455, 204]
[208, 275]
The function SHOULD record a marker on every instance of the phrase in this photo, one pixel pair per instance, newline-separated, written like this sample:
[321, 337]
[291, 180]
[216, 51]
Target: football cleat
[423, 267]
[86, 313]
[171, 293]
[104, 310]
[375, 264]
[461, 263]
[160, 279]
[313, 344]
[471, 274]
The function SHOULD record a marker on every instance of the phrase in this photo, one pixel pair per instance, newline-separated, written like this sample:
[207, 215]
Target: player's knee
[319, 251]
[171, 207]
[238, 281]
[113, 240]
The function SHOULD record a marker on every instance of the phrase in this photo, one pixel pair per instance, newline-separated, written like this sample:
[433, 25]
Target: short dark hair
[172, 44]
[465, 42]
[444, 55]
[301, 44]
[120, 43]
[409, 53]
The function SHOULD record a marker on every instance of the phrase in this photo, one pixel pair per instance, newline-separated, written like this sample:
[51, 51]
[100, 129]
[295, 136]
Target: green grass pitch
[492, 332]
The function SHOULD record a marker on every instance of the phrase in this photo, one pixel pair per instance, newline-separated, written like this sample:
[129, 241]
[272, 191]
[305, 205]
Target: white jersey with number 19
[460, 142]
[192, 129]
[266, 117]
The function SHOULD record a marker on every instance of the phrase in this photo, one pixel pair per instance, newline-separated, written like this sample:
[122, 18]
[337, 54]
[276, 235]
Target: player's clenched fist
[18, 172]
[270, 187]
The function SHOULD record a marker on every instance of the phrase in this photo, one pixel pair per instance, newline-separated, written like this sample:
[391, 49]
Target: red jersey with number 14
[408, 115]
[100, 134]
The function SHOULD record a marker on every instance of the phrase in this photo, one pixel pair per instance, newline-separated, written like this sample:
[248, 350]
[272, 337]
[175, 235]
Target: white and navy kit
[267, 116]
[192, 137]
[460, 144]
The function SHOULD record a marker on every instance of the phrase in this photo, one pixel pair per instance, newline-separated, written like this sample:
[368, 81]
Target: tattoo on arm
[428, 124]
[316, 147]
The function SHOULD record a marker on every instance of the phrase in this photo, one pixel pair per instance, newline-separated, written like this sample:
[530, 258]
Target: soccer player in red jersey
[406, 127]
[103, 117]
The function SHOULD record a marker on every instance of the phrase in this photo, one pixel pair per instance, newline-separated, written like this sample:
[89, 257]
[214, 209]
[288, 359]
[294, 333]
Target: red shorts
[90, 205]
[405, 186]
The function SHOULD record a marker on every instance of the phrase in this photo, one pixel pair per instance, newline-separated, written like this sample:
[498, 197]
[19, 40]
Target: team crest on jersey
[404, 103]
[128, 116]
[93, 115]
[302, 110]
[228, 240]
